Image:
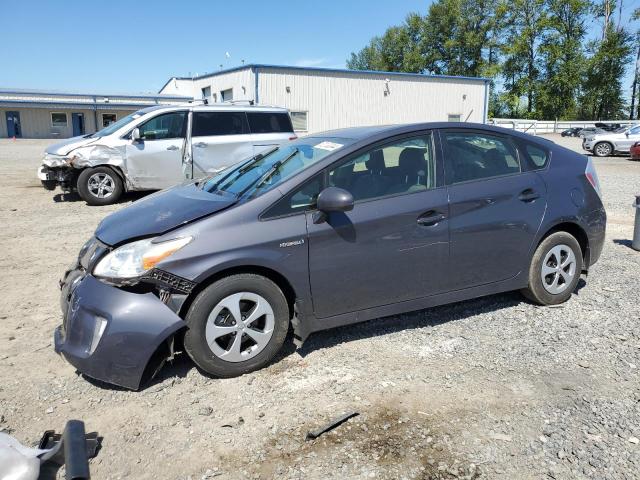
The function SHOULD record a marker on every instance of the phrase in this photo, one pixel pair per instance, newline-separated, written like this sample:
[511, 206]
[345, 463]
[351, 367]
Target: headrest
[411, 160]
[376, 161]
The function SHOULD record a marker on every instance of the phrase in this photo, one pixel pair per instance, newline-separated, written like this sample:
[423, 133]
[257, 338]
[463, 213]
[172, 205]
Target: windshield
[115, 126]
[267, 170]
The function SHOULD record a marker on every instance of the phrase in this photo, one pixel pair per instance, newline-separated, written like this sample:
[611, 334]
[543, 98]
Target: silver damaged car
[161, 146]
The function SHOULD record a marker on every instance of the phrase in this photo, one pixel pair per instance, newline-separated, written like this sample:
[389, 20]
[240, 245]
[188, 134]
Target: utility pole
[632, 113]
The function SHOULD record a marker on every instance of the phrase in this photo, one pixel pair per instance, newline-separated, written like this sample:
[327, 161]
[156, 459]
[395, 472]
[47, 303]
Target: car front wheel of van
[99, 186]
[555, 270]
[236, 325]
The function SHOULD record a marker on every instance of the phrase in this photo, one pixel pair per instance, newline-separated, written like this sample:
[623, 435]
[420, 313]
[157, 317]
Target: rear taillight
[592, 177]
[295, 137]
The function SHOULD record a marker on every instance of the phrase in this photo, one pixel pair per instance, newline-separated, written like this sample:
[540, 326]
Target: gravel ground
[489, 388]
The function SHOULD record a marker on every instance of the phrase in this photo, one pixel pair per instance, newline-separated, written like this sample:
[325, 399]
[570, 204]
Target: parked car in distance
[605, 144]
[635, 151]
[161, 146]
[571, 132]
[588, 131]
[328, 230]
[611, 127]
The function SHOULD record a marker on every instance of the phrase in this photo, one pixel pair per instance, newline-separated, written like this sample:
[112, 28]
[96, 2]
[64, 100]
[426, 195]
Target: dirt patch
[381, 442]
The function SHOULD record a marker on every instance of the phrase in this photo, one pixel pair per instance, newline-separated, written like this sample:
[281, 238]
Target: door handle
[430, 218]
[528, 195]
[200, 144]
[173, 147]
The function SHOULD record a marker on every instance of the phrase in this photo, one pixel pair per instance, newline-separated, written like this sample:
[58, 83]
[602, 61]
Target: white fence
[536, 127]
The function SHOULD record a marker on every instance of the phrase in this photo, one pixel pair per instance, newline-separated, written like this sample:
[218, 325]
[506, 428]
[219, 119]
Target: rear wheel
[602, 149]
[555, 269]
[99, 186]
[236, 325]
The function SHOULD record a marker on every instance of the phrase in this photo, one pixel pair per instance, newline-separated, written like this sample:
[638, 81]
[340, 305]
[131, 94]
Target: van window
[269, 122]
[472, 156]
[209, 124]
[162, 127]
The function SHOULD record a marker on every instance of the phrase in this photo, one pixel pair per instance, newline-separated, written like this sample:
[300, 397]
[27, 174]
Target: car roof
[218, 107]
[363, 133]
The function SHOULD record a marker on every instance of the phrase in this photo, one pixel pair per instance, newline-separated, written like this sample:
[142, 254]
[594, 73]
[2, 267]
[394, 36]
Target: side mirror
[135, 135]
[332, 199]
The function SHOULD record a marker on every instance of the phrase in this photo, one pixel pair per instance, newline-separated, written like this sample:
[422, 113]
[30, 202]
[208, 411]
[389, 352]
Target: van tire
[536, 291]
[109, 192]
[209, 300]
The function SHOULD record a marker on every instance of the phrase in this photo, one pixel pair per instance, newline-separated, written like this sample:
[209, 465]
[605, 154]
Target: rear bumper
[110, 334]
[596, 223]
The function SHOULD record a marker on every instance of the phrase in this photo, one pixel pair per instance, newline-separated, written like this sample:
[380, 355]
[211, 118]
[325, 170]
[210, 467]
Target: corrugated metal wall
[242, 82]
[339, 99]
[36, 122]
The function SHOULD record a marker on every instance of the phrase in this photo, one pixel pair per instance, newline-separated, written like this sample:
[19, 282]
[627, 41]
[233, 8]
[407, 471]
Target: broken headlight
[133, 259]
[51, 160]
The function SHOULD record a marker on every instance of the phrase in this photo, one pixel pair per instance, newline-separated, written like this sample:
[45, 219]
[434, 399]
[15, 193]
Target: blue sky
[132, 47]
[129, 46]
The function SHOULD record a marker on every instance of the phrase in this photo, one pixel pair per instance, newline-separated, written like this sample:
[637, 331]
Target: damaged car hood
[161, 212]
[64, 147]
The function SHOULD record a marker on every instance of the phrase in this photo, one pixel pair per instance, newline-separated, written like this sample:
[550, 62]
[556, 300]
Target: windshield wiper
[269, 173]
[240, 171]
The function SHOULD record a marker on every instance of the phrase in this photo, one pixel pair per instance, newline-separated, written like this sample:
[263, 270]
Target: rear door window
[211, 124]
[473, 156]
[269, 122]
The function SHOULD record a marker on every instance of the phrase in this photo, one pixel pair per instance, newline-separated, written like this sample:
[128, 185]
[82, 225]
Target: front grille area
[172, 282]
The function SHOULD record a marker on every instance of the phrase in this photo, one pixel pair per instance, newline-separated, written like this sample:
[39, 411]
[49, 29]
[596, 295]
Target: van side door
[218, 140]
[269, 129]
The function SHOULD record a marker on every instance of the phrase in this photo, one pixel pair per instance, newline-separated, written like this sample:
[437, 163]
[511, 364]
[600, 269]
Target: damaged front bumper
[111, 334]
[51, 177]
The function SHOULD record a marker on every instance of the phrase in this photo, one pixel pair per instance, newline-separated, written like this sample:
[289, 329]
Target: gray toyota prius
[327, 230]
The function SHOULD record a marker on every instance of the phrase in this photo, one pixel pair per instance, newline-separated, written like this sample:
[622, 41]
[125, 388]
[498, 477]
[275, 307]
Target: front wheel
[99, 186]
[555, 270]
[602, 149]
[236, 325]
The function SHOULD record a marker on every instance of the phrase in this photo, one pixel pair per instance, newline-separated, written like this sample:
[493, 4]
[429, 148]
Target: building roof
[101, 95]
[257, 66]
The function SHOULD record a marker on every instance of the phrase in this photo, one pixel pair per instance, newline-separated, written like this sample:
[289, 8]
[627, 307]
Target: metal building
[45, 114]
[326, 98]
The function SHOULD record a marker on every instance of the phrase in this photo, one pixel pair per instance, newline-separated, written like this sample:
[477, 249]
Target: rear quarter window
[537, 157]
[269, 122]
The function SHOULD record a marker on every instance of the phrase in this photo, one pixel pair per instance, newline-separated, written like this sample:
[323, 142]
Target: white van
[161, 146]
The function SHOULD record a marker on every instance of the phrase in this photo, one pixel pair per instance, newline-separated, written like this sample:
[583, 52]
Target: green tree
[602, 97]
[562, 58]
[524, 26]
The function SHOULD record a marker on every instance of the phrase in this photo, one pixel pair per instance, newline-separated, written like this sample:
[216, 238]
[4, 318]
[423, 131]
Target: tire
[602, 149]
[99, 186]
[212, 335]
[556, 287]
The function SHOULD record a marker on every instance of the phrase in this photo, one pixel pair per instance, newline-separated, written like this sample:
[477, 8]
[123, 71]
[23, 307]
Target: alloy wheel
[239, 327]
[558, 269]
[101, 185]
[603, 149]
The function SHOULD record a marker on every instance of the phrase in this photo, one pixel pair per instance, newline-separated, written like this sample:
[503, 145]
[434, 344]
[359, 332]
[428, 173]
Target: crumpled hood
[160, 212]
[64, 147]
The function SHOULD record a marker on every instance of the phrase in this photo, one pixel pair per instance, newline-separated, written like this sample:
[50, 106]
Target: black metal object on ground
[73, 449]
[313, 434]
